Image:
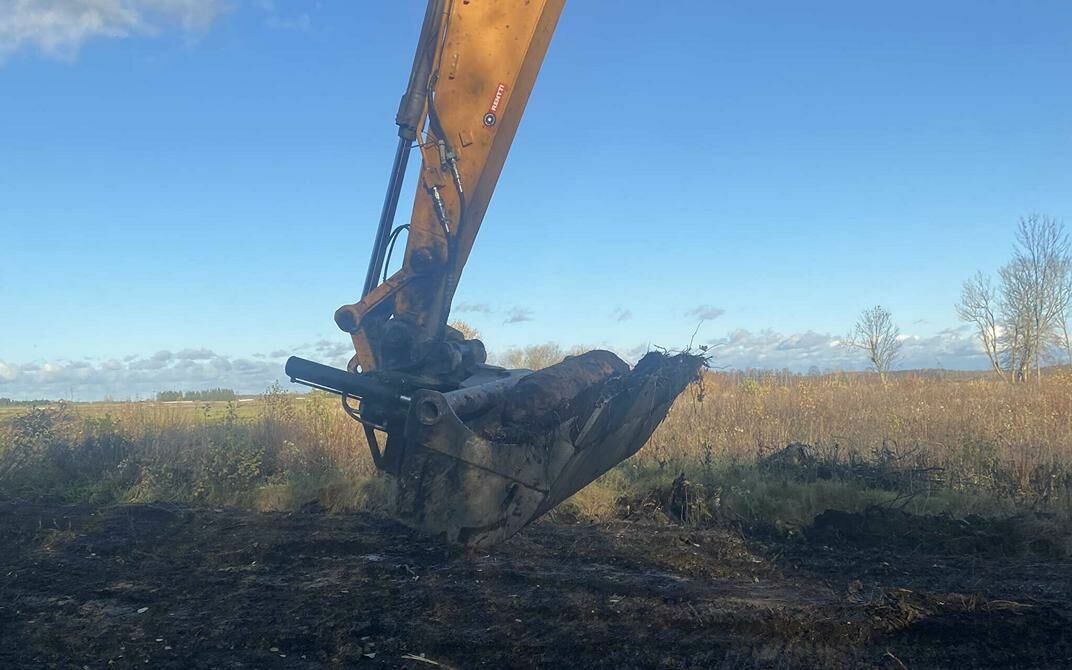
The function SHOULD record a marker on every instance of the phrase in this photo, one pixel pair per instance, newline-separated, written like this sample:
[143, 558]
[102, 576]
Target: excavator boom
[476, 451]
[475, 67]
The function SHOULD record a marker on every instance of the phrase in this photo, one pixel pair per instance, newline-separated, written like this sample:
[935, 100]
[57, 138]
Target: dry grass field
[927, 442]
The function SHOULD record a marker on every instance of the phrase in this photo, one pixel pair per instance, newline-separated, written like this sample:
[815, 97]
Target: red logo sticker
[493, 110]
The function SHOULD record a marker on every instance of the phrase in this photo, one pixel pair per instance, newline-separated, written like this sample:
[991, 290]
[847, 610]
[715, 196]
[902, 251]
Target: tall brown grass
[975, 437]
[1007, 445]
[291, 451]
[980, 431]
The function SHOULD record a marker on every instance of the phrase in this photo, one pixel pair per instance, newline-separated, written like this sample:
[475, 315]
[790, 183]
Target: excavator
[475, 451]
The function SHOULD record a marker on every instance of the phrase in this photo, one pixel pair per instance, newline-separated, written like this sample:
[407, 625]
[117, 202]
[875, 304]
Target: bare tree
[877, 335]
[467, 331]
[1065, 326]
[1036, 292]
[1025, 320]
[533, 357]
[1017, 326]
[1066, 335]
[979, 305]
[538, 356]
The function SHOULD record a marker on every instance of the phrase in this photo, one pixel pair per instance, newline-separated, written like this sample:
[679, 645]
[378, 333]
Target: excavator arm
[476, 451]
[475, 67]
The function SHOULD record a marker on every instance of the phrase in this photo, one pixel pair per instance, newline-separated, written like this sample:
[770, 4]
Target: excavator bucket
[476, 464]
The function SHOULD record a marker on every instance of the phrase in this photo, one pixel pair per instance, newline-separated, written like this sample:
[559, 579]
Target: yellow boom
[484, 57]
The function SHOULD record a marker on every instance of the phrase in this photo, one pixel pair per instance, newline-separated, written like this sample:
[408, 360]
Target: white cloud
[141, 376]
[705, 312]
[518, 315]
[333, 348]
[633, 354]
[743, 349]
[51, 370]
[8, 372]
[194, 354]
[471, 307]
[954, 348]
[59, 28]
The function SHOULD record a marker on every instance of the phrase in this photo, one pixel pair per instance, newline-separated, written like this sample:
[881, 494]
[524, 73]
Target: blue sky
[189, 188]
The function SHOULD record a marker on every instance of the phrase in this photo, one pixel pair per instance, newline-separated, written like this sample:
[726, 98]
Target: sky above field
[189, 188]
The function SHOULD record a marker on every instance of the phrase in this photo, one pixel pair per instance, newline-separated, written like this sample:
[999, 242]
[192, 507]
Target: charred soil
[177, 587]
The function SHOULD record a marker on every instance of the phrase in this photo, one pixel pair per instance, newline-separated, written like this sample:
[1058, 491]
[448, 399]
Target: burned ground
[179, 587]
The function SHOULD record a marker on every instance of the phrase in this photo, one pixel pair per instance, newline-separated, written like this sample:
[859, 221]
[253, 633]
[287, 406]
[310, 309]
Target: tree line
[1021, 316]
[208, 394]
[9, 402]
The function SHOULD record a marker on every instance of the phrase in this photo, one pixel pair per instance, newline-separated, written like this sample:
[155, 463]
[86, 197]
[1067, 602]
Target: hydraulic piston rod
[338, 381]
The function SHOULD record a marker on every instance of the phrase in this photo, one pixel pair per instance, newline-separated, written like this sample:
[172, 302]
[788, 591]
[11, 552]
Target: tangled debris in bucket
[479, 481]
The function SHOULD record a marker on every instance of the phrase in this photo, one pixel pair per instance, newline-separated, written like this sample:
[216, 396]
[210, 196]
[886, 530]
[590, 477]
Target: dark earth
[176, 587]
